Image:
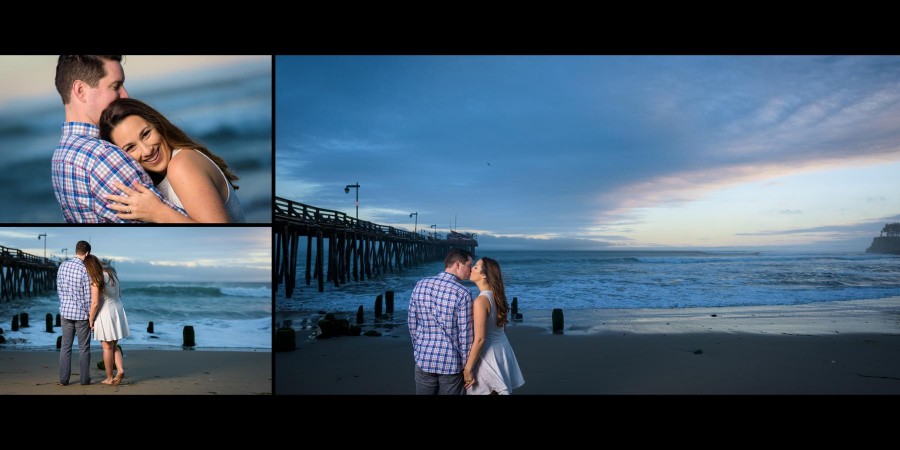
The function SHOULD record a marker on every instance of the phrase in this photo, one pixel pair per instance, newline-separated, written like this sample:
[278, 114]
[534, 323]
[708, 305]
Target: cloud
[870, 227]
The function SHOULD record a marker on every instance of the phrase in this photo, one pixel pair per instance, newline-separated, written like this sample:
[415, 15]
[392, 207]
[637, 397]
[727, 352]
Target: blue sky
[185, 254]
[599, 151]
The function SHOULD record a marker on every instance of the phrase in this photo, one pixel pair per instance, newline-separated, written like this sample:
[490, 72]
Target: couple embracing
[89, 300]
[120, 160]
[459, 345]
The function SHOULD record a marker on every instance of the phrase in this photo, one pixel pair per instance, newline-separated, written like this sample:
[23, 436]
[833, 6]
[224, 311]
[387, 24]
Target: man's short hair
[87, 68]
[456, 255]
[82, 248]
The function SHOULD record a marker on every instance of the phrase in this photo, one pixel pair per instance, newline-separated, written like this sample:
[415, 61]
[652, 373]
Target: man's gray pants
[69, 329]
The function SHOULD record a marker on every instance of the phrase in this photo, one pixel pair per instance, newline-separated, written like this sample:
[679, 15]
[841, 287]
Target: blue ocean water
[634, 279]
[230, 111]
[237, 316]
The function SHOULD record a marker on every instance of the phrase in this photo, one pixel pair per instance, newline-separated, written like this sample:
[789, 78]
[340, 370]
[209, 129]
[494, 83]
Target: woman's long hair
[494, 279]
[95, 270]
[120, 109]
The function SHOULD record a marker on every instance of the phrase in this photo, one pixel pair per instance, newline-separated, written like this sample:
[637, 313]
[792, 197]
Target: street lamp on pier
[45, 243]
[417, 220]
[347, 190]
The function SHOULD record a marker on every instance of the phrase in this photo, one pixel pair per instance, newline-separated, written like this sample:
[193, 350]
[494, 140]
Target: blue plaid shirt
[84, 168]
[440, 324]
[74, 288]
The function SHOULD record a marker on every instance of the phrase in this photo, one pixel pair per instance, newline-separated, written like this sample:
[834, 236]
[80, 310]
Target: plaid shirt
[84, 168]
[74, 288]
[440, 324]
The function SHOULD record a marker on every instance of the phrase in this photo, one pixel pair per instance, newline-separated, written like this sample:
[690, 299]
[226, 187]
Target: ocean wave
[169, 291]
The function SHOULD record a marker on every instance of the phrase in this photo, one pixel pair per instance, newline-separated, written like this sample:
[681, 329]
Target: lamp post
[434, 231]
[67, 253]
[347, 190]
[417, 220]
[45, 243]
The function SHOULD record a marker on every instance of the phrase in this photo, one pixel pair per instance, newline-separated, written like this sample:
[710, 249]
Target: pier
[25, 275]
[355, 249]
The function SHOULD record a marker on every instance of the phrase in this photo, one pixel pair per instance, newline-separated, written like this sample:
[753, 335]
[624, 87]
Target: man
[84, 167]
[74, 288]
[440, 325]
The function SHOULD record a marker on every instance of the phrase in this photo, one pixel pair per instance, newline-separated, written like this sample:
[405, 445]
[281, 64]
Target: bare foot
[107, 381]
[118, 378]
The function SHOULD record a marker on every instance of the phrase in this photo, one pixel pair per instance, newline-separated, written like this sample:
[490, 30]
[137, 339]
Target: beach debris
[58, 342]
[49, 320]
[58, 319]
[698, 352]
[15, 323]
[557, 317]
[372, 333]
[378, 306]
[150, 328]
[23, 320]
[188, 334]
[712, 315]
[389, 302]
[360, 317]
[330, 327]
[154, 337]
[285, 340]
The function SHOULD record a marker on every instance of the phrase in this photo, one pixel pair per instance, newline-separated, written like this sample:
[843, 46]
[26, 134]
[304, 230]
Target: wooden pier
[25, 275]
[357, 249]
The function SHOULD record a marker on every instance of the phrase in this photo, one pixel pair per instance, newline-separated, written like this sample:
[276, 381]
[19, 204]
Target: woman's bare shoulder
[188, 163]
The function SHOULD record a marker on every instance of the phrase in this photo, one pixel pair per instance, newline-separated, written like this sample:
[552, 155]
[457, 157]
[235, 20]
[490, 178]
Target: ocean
[229, 111]
[228, 316]
[585, 280]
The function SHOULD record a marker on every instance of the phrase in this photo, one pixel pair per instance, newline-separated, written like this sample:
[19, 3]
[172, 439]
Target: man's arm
[464, 325]
[411, 318]
[109, 166]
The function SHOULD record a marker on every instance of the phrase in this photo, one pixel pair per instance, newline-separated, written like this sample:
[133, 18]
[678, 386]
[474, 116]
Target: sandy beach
[847, 347]
[148, 372]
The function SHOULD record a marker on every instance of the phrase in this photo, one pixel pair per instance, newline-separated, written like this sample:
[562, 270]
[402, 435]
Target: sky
[599, 152]
[31, 76]
[174, 254]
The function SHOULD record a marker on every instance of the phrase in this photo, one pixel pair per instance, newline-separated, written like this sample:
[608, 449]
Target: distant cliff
[889, 245]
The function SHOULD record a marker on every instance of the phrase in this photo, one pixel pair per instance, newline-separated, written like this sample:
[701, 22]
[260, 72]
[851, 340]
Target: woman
[492, 367]
[185, 172]
[107, 318]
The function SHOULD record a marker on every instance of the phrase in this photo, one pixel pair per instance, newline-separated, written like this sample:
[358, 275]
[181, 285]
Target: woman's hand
[140, 203]
[468, 377]
[91, 323]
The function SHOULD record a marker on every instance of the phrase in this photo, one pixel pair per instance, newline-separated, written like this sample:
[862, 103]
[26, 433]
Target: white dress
[111, 323]
[232, 205]
[497, 368]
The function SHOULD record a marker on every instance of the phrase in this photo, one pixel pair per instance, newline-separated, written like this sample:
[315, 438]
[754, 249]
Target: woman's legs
[108, 359]
[120, 365]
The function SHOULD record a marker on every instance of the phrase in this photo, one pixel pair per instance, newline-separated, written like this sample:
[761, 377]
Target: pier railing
[25, 275]
[369, 249]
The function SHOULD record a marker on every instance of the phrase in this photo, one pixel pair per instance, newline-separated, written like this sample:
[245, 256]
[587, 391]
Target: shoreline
[847, 347]
[148, 372]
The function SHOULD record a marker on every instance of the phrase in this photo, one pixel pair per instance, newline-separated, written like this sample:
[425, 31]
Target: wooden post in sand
[188, 337]
[58, 321]
[15, 323]
[360, 317]
[557, 321]
[150, 328]
[285, 339]
[23, 320]
[378, 306]
[389, 302]
[515, 306]
[49, 320]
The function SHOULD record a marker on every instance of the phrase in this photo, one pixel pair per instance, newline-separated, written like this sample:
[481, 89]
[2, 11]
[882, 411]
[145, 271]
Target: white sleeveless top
[232, 205]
